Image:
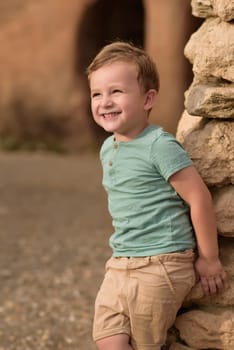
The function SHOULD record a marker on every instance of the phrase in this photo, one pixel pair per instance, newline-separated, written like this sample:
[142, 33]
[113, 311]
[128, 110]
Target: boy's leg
[111, 325]
[115, 342]
[157, 292]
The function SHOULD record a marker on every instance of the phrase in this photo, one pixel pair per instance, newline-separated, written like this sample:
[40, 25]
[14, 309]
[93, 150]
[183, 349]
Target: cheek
[94, 114]
[93, 107]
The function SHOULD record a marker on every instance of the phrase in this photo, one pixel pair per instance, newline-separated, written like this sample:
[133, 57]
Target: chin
[108, 129]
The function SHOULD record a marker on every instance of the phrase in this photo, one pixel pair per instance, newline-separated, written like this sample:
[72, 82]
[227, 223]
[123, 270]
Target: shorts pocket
[180, 277]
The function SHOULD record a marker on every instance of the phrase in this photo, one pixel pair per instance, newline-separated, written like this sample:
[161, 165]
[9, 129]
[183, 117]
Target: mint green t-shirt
[149, 217]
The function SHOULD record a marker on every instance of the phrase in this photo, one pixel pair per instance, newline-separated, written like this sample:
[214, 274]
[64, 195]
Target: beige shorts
[141, 297]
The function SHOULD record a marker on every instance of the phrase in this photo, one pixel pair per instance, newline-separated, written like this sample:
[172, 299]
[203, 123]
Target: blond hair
[147, 74]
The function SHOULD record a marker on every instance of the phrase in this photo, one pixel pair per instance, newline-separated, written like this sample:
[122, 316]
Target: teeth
[110, 115]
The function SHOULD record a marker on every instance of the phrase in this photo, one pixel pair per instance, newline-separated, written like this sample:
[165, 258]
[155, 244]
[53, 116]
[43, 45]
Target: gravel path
[54, 230]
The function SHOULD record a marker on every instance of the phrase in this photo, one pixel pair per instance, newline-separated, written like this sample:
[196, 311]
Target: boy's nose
[106, 101]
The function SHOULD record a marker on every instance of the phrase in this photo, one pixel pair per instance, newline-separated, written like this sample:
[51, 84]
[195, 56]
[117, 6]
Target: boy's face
[118, 103]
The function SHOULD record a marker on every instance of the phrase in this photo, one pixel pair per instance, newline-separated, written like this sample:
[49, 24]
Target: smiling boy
[160, 207]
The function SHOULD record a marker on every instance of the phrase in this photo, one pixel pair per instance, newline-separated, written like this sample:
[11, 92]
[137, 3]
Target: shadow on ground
[54, 230]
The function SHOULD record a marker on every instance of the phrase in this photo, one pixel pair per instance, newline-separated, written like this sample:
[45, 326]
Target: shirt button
[110, 163]
[116, 145]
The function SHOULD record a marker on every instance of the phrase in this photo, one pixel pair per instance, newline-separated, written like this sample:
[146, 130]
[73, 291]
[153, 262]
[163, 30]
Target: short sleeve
[168, 155]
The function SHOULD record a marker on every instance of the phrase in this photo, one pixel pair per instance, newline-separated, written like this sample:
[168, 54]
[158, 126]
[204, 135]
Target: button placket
[115, 147]
[111, 162]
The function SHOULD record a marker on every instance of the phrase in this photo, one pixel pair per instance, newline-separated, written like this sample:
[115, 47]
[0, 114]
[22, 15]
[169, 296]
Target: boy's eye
[116, 91]
[95, 94]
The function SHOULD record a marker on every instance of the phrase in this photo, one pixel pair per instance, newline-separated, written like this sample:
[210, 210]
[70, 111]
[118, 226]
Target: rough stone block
[211, 50]
[210, 101]
[205, 329]
[223, 199]
[186, 125]
[207, 8]
[178, 346]
[211, 148]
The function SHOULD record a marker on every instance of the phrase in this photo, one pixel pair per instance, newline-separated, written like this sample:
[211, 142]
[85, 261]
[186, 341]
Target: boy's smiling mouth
[110, 115]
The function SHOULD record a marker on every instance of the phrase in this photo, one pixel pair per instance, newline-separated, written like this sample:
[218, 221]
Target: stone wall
[207, 131]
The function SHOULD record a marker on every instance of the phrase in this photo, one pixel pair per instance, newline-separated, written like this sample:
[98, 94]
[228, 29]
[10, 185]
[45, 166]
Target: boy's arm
[190, 186]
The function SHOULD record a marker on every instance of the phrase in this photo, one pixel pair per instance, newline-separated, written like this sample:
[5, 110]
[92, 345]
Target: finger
[219, 282]
[212, 285]
[205, 285]
[223, 276]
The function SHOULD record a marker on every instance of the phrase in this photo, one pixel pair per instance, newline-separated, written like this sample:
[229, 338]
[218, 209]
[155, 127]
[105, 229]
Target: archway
[103, 22]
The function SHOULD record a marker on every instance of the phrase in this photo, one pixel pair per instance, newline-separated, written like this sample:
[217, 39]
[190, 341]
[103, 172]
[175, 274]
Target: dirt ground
[54, 229]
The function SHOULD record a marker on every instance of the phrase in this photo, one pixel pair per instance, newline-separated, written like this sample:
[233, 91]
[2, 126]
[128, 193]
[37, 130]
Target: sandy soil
[54, 229]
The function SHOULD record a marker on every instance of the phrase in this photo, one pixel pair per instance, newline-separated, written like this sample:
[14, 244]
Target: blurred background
[46, 46]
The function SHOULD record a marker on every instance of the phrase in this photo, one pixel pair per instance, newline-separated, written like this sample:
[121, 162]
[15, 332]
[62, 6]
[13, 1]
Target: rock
[202, 8]
[205, 329]
[211, 149]
[224, 209]
[210, 50]
[210, 101]
[206, 8]
[186, 125]
[224, 9]
[177, 346]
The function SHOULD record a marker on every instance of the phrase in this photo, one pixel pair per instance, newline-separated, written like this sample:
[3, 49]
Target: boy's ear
[150, 99]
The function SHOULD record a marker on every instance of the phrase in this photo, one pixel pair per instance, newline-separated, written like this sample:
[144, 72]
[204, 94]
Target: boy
[159, 205]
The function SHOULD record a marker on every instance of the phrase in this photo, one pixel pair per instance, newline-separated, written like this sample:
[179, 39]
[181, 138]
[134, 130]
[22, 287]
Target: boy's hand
[211, 274]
